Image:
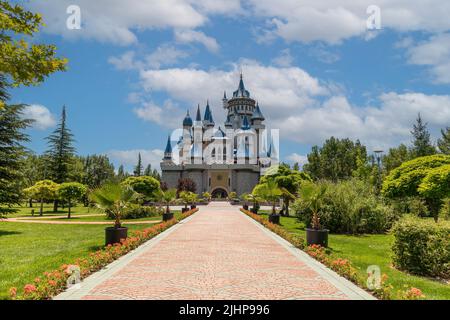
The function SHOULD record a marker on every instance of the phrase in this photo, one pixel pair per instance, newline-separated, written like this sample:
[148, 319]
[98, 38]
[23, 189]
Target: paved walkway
[218, 253]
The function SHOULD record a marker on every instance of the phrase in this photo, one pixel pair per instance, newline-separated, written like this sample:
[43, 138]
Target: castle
[223, 159]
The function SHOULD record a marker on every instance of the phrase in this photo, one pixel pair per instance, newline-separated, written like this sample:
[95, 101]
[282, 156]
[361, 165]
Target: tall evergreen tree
[60, 152]
[12, 151]
[138, 169]
[444, 142]
[156, 175]
[148, 170]
[422, 145]
[121, 173]
[97, 170]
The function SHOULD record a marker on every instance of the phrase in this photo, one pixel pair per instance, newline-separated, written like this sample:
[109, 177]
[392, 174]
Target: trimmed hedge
[422, 247]
[135, 211]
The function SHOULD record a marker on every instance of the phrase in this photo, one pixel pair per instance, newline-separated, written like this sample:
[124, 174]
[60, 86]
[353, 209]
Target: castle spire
[168, 151]
[198, 117]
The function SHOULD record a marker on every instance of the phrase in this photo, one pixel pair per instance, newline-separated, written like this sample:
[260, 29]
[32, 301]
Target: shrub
[136, 211]
[144, 185]
[445, 209]
[422, 247]
[349, 207]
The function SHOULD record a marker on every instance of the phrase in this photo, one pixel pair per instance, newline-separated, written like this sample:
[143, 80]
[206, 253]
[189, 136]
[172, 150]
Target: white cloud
[297, 158]
[164, 55]
[129, 158]
[168, 115]
[43, 118]
[192, 36]
[335, 21]
[285, 59]
[433, 53]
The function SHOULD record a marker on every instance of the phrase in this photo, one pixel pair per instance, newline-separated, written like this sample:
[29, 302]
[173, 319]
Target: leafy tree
[24, 63]
[12, 154]
[97, 170]
[206, 196]
[146, 186]
[296, 167]
[421, 143]
[121, 174]
[335, 160]
[186, 184]
[60, 152]
[156, 175]
[44, 190]
[34, 170]
[268, 191]
[288, 180]
[113, 198]
[395, 157]
[444, 142]
[71, 192]
[138, 169]
[423, 177]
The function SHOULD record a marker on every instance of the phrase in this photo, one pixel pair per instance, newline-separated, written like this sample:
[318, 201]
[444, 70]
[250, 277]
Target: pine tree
[156, 175]
[121, 173]
[60, 152]
[148, 170]
[444, 142]
[138, 169]
[422, 143]
[12, 151]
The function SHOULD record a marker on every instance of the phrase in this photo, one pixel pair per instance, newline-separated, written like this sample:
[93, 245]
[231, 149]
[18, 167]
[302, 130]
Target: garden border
[352, 290]
[82, 289]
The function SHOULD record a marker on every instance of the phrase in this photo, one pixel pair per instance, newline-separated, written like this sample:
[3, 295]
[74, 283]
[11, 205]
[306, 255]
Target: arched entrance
[219, 193]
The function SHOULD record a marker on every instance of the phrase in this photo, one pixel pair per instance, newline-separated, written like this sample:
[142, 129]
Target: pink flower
[29, 288]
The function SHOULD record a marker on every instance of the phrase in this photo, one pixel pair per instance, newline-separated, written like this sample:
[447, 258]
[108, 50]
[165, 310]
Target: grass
[25, 211]
[103, 218]
[29, 249]
[366, 250]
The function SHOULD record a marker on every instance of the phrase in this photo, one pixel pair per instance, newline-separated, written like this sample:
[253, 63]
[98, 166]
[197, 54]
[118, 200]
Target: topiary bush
[350, 207]
[422, 247]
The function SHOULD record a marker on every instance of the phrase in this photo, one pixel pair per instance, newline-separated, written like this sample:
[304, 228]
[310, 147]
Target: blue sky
[136, 66]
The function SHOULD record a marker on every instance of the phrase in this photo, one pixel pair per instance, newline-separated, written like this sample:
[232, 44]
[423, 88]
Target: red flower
[29, 288]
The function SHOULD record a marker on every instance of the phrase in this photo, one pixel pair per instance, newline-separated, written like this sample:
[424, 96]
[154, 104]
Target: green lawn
[103, 218]
[367, 250]
[29, 249]
[25, 211]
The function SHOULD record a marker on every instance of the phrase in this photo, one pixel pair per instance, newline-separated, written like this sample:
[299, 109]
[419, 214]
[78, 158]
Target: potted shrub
[193, 199]
[270, 192]
[185, 199]
[243, 198]
[312, 195]
[206, 196]
[114, 199]
[168, 197]
[255, 200]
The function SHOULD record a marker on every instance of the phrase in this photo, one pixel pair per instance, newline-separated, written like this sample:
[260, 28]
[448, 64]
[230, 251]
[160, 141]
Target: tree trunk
[70, 206]
[31, 203]
[55, 206]
[41, 209]
[273, 208]
[167, 209]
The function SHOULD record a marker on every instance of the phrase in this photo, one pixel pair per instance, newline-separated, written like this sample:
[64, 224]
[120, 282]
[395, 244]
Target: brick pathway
[219, 253]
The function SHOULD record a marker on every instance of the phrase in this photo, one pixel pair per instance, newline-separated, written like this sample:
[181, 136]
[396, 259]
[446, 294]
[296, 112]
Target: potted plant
[312, 195]
[114, 199]
[255, 199]
[270, 192]
[243, 198]
[185, 199]
[168, 197]
[206, 196]
[193, 198]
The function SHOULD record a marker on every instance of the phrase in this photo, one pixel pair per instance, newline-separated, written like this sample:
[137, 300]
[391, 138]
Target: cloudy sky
[136, 66]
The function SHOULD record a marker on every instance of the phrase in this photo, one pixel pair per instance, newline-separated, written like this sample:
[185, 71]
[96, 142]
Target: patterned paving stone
[218, 254]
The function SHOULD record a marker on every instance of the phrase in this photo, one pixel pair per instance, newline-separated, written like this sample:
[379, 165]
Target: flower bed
[343, 267]
[54, 282]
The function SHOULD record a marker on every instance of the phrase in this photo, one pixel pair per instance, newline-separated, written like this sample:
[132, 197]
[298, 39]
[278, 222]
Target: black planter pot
[245, 206]
[167, 216]
[193, 207]
[113, 235]
[319, 237]
[183, 210]
[254, 210]
[274, 218]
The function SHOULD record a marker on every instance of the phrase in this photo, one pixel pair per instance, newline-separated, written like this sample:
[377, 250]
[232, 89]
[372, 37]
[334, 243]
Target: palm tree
[114, 198]
[312, 194]
[168, 197]
[254, 198]
[270, 192]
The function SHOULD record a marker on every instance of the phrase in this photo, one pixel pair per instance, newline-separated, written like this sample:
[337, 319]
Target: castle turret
[225, 100]
[168, 151]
